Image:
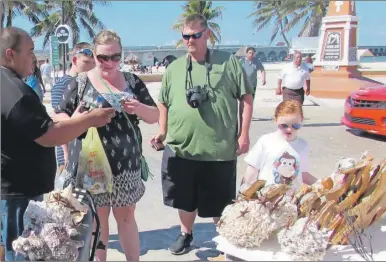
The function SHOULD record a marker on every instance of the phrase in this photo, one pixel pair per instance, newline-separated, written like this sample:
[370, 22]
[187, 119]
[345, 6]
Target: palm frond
[179, 43]
[206, 9]
[295, 20]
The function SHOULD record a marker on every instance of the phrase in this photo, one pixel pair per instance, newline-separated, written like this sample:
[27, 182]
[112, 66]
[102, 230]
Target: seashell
[304, 241]
[245, 224]
[327, 183]
[249, 191]
[272, 192]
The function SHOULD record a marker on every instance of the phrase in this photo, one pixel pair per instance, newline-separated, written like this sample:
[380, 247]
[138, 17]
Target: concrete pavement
[328, 140]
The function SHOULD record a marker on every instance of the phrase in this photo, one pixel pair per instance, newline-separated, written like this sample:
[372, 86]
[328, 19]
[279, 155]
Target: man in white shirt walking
[292, 79]
[46, 70]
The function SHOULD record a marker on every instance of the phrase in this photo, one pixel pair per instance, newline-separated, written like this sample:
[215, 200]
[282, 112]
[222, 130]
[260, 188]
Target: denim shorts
[12, 226]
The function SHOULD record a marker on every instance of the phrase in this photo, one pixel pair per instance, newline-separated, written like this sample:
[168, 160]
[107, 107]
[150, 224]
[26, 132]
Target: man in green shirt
[203, 137]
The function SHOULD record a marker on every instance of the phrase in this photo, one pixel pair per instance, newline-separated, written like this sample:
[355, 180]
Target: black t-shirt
[27, 168]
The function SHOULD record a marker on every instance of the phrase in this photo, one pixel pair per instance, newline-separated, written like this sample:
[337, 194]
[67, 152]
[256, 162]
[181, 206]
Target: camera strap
[189, 67]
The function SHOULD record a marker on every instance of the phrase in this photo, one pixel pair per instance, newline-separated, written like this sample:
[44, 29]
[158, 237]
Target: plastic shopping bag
[94, 166]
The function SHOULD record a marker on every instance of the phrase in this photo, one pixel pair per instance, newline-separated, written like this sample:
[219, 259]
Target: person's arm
[29, 117]
[65, 152]
[64, 131]
[279, 82]
[304, 165]
[261, 68]
[254, 160]
[244, 94]
[163, 119]
[246, 110]
[308, 83]
[163, 104]
[251, 175]
[263, 77]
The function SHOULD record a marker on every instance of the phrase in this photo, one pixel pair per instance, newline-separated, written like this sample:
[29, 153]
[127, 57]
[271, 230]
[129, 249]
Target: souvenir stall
[339, 218]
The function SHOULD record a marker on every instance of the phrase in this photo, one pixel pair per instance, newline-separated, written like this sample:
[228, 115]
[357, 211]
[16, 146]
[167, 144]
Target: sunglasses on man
[194, 36]
[105, 58]
[296, 126]
[85, 51]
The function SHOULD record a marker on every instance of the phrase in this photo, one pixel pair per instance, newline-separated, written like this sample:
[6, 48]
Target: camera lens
[195, 100]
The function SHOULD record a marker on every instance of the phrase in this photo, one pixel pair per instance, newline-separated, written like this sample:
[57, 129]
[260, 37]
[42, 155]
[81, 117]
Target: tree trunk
[312, 27]
[2, 7]
[283, 34]
[9, 16]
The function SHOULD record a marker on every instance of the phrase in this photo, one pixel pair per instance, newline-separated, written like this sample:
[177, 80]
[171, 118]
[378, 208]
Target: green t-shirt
[207, 133]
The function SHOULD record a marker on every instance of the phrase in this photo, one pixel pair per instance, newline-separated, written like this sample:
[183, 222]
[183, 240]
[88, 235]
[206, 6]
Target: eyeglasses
[194, 36]
[85, 51]
[296, 126]
[105, 58]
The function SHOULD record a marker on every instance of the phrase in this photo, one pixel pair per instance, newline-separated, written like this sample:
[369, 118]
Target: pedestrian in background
[35, 81]
[292, 79]
[252, 65]
[82, 60]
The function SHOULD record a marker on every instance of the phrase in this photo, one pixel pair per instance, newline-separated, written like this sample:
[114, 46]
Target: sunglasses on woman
[85, 51]
[194, 36]
[295, 126]
[105, 58]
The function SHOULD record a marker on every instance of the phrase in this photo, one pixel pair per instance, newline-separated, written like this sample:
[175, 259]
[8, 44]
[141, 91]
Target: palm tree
[76, 14]
[268, 10]
[11, 9]
[312, 10]
[205, 9]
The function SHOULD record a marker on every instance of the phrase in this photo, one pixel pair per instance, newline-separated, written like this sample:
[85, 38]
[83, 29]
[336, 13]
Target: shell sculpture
[247, 223]
[335, 207]
[304, 240]
[52, 243]
[49, 226]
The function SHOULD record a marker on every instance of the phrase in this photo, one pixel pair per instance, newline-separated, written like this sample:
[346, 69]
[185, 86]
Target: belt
[292, 88]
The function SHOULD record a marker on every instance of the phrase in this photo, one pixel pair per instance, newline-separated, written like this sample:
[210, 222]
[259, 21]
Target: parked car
[365, 109]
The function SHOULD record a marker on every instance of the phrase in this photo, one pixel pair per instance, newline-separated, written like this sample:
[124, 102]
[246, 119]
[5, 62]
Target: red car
[365, 110]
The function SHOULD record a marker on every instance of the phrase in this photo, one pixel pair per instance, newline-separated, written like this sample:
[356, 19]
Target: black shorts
[205, 186]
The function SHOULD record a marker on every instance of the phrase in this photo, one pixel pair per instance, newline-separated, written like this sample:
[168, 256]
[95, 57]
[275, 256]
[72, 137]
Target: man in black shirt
[28, 135]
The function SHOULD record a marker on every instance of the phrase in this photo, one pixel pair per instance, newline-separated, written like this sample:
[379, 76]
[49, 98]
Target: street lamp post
[64, 45]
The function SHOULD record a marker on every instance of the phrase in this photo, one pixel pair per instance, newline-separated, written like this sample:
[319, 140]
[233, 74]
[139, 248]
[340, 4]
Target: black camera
[196, 95]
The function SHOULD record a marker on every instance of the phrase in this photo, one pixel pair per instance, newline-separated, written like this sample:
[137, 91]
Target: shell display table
[270, 249]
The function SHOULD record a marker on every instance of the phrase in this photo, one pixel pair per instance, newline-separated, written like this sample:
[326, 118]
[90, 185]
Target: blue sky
[149, 22]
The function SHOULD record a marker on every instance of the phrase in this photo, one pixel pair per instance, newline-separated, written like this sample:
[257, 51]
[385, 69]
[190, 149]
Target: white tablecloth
[270, 249]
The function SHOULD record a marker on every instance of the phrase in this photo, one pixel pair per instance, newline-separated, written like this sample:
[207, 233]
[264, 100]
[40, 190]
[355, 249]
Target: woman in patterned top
[117, 137]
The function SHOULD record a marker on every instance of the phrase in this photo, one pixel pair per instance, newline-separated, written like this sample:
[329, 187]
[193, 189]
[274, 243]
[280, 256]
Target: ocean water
[374, 59]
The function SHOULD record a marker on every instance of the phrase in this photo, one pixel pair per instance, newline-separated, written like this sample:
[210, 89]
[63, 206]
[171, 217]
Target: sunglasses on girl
[85, 51]
[294, 126]
[194, 36]
[105, 58]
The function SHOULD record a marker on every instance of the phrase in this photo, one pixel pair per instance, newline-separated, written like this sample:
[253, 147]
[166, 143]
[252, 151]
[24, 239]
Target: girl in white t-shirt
[281, 157]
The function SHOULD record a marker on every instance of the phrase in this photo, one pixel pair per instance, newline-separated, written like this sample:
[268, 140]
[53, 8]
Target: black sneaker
[182, 242]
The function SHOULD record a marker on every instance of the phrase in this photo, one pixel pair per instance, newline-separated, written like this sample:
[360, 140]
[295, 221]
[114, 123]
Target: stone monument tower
[337, 53]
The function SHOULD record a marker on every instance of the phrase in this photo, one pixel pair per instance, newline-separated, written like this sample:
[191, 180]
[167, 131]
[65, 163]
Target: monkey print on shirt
[286, 168]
